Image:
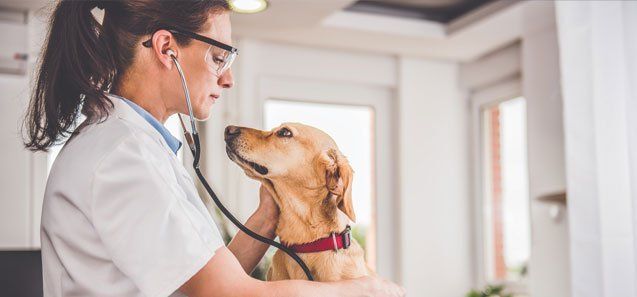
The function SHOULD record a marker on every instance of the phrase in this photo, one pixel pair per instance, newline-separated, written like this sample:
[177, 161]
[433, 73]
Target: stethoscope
[192, 138]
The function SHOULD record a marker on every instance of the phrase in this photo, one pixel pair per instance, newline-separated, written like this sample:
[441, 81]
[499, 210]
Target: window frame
[479, 100]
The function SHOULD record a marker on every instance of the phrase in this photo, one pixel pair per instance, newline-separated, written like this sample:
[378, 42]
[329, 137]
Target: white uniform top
[121, 215]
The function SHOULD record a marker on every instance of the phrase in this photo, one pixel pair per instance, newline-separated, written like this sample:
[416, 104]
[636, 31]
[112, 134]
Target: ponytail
[76, 68]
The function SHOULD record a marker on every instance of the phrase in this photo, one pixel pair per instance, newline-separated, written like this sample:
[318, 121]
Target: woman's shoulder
[93, 142]
[74, 167]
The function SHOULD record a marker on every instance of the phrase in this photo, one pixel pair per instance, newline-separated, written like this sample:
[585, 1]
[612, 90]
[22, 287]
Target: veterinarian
[121, 215]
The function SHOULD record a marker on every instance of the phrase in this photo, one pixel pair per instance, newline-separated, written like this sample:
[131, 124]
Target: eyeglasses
[219, 56]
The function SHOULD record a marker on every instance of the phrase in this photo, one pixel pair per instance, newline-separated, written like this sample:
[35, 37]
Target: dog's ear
[338, 178]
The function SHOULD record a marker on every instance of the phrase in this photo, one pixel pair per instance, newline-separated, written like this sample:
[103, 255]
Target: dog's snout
[232, 132]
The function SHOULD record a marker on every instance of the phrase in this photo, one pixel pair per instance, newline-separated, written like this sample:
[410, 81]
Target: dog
[311, 182]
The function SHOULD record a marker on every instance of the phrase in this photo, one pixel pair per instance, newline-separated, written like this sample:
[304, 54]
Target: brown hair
[82, 58]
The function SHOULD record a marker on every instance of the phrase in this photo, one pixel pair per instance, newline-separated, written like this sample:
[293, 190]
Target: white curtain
[598, 57]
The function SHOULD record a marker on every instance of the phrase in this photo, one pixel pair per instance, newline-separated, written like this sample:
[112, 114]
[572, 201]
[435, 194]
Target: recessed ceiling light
[248, 6]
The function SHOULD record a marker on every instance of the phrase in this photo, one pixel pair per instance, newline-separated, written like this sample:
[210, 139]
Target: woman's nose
[226, 80]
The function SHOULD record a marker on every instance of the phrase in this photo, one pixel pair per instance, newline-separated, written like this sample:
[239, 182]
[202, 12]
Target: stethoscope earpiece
[171, 53]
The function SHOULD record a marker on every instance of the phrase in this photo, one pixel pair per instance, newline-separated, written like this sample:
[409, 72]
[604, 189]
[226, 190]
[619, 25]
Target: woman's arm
[224, 276]
[226, 273]
[247, 250]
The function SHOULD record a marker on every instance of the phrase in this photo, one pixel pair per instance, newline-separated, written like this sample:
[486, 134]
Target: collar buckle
[334, 242]
[346, 237]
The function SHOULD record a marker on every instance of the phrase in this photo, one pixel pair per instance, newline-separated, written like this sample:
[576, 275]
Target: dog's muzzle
[230, 135]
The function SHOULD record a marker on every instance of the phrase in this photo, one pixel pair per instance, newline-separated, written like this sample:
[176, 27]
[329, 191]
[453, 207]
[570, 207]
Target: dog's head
[294, 159]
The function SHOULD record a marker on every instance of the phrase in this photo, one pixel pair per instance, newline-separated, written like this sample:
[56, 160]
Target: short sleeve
[152, 232]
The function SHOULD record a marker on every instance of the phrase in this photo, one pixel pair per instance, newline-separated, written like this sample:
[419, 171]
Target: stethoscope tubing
[195, 148]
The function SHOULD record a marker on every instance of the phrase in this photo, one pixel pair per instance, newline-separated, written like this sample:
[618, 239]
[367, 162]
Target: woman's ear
[338, 180]
[164, 44]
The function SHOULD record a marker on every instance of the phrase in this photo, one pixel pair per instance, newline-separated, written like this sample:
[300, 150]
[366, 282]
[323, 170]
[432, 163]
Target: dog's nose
[231, 132]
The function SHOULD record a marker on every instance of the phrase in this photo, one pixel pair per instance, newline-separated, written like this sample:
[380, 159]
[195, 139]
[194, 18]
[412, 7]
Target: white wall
[22, 175]
[15, 198]
[434, 180]
[549, 265]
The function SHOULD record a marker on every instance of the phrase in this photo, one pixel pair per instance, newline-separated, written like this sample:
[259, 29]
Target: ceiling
[423, 2]
[442, 11]
[334, 24]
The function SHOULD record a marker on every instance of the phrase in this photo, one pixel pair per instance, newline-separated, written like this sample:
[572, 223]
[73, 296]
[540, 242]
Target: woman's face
[204, 84]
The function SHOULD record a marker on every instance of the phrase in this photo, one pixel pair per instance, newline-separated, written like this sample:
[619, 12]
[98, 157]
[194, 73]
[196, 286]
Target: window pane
[352, 127]
[506, 200]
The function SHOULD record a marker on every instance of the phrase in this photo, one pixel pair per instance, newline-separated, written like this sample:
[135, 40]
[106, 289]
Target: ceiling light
[248, 6]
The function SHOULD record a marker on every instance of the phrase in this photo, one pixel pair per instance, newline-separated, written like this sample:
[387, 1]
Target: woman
[121, 216]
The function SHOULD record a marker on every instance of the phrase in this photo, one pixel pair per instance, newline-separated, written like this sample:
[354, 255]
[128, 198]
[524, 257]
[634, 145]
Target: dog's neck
[303, 219]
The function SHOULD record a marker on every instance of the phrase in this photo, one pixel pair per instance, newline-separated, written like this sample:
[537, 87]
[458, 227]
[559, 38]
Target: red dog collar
[335, 242]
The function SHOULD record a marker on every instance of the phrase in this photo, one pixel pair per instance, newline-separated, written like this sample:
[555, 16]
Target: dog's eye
[284, 132]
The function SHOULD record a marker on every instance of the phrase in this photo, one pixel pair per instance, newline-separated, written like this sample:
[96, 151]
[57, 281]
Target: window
[505, 203]
[352, 127]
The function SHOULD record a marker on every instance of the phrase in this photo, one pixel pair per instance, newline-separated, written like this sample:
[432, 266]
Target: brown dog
[311, 181]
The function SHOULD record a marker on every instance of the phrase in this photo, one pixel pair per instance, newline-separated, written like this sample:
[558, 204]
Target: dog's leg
[277, 269]
[268, 276]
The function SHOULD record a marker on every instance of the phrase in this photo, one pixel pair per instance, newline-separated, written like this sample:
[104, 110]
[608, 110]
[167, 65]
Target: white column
[630, 23]
[434, 179]
[598, 89]
[549, 263]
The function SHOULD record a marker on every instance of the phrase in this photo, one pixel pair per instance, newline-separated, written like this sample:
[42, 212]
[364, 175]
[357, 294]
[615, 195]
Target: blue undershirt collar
[173, 143]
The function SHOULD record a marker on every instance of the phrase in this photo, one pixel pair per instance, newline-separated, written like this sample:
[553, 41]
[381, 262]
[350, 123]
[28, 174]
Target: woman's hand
[267, 207]
[377, 286]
